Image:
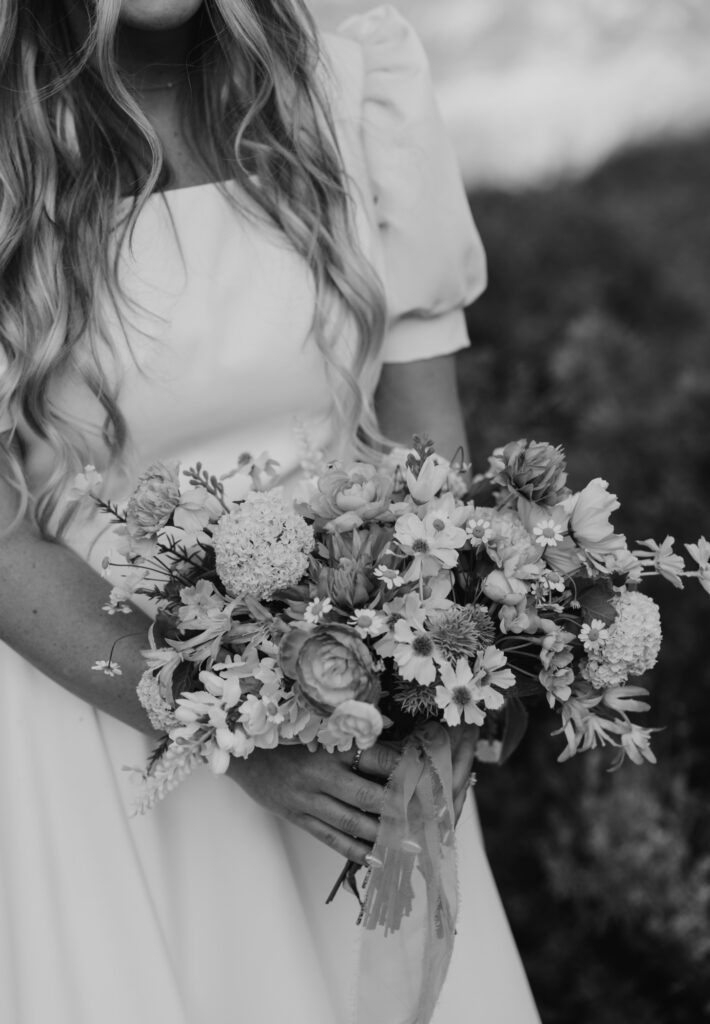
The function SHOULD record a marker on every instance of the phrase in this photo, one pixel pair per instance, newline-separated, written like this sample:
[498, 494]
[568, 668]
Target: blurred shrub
[629, 859]
[595, 333]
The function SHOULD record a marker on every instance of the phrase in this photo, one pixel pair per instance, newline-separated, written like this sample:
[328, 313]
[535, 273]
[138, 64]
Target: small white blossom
[368, 623]
[662, 560]
[390, 577]
[547, 533]
[479, 530]
[636, 744]
[624, 698]
[700, 553]
[109, 668]
[175, 765]
[593, 635]
[116, 603]
[86, 484]
[317, 609]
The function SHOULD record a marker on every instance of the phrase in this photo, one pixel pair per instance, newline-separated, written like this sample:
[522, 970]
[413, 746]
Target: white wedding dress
[209, 909]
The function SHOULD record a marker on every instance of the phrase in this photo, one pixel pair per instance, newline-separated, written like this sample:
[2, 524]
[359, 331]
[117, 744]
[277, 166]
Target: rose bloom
[504, 589]
[329, 665]
[533, 469]
[154, 500]
[346, 498]
[355, 719]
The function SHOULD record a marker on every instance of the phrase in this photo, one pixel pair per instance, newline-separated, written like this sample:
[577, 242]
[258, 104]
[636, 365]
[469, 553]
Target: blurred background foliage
[582, 131]
[595, 333]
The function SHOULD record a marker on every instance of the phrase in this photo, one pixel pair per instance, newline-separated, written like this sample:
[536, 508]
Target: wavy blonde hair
[75, 142]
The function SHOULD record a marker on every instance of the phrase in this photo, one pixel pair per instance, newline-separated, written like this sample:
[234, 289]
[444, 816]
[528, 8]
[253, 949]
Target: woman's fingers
[344, 844]
[346, 818]
[358, 791]
[378, 762]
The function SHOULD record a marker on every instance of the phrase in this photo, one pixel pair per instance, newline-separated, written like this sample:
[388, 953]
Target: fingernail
[372, 861]
[409, 846]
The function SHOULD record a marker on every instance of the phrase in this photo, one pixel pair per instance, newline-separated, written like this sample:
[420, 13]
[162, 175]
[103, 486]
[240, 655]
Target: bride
[220, 232]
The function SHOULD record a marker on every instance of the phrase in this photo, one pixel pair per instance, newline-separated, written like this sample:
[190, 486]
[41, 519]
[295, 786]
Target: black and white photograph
[354, 512]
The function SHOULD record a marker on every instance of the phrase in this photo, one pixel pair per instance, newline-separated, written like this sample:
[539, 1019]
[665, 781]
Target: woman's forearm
[422, 398]
[51, 613]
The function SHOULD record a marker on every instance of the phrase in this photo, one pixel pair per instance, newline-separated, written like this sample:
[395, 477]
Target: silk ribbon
[411, 897]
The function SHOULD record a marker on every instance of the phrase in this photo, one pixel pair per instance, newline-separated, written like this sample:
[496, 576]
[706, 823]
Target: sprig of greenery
[110, 508]
[422, 448]
[200, 477]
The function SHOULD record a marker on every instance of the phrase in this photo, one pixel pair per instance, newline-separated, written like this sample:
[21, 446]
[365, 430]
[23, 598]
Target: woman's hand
[320, 792]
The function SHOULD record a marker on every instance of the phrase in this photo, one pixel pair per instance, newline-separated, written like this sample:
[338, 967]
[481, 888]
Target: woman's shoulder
[397, 150]
[370, 56]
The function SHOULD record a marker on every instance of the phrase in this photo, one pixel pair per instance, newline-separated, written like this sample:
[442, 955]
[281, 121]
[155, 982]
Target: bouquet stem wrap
[410, 916]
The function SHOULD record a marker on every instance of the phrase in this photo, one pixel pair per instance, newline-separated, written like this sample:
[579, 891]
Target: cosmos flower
[458, 695]
[431, 543]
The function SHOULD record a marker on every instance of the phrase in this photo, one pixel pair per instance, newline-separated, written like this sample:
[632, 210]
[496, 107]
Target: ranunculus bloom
[153, 502]
[533, 469]
[348, 497]
[503, 589]
[329, 665]
[358, 720]
[589, 520]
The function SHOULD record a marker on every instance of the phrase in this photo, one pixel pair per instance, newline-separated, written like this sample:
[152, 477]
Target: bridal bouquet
[391, 600]
[383, 597]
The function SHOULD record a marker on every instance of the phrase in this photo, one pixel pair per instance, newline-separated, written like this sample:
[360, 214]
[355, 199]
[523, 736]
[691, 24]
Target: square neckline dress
[209, 908]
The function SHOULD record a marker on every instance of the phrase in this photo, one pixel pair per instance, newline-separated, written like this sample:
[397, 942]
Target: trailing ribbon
[410, 916]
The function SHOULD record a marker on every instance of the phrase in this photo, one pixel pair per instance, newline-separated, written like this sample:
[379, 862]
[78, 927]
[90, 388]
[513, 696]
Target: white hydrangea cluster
[161, 715]
[633, 643]
[262, 545]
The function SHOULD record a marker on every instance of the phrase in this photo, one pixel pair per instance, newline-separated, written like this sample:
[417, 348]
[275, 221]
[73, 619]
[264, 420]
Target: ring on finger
[355, 764]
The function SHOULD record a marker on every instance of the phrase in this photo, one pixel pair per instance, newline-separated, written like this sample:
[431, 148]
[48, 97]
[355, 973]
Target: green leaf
[516, 724]
[596, 602]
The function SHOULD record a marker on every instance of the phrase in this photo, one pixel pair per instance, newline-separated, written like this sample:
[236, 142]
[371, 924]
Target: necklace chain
[158, 86]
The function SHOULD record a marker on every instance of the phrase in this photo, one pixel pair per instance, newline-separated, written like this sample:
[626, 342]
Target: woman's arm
[51, 613]
[422, 398]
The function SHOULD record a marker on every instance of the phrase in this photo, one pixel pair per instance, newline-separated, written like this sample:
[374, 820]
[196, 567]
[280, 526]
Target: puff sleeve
[433, 263]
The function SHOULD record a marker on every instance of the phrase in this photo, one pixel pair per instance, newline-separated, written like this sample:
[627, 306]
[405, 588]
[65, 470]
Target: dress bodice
[214, 348]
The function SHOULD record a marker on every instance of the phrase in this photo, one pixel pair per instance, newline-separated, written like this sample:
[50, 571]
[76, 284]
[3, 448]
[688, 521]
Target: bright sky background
[534, 89]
